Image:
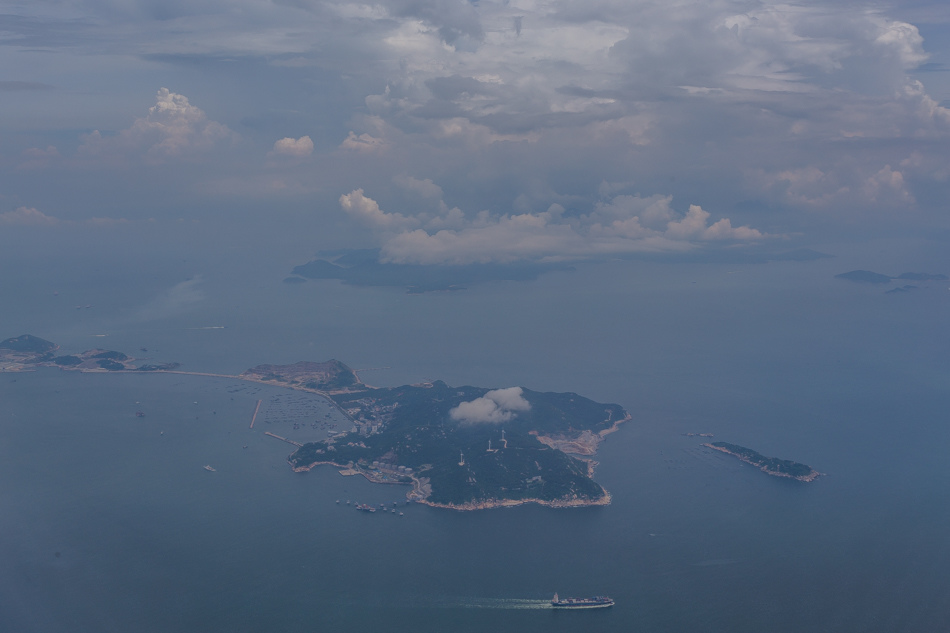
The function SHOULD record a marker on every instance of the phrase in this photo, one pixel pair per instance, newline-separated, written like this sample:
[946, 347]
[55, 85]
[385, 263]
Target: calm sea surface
[110, 523]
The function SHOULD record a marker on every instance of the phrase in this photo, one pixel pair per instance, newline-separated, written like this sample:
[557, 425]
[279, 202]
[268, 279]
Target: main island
[463, 448]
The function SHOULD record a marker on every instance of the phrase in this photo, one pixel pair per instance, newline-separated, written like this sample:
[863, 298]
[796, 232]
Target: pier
[256, 409]
[283, 439]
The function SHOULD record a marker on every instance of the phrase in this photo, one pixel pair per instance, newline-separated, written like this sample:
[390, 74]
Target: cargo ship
[596, 602]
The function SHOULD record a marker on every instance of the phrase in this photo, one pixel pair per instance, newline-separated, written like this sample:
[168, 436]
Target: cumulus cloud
[616, 76]
[605, 62]
[173, 129]
[887, 183]
[297, 148]
[368, 213]
[362, 143]
[695, 227]
[624, 224]
[840, 186]
[495, 407]
[27, 216]
[425, 187]
[522, 105]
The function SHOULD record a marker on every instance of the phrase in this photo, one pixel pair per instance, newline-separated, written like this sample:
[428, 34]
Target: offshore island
[769, 465]
[463, 448]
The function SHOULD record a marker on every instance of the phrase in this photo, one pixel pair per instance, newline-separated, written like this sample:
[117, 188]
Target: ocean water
[110, 523]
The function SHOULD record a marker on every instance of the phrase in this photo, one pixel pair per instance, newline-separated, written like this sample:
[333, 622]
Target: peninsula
[769, 465]
[464, 448]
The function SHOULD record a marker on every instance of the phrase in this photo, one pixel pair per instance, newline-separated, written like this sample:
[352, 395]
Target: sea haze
[110, 522]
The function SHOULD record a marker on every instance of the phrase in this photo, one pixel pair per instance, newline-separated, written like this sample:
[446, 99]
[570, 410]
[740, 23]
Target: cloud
[495, 407]
[298, 148]
[27, 216]
[368, 213]
[173, 129]
[509, 106]
[37, 158]
[625, 224]
[425, 187]
[841, 186]
[694, 227]
[887, 183]
[177, 300]
[362, 143]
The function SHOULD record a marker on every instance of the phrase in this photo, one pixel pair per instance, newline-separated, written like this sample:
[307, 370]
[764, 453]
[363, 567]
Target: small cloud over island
[495, 407]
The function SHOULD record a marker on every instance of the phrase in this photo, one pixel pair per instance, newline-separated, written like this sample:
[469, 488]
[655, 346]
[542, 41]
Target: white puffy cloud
[887, 183]
[368, 213]
[624, 224]
[27, 216]
[516, 105]
[172, 129]
[840, 186]
[297, 148]
[694, 227]
[495, 407]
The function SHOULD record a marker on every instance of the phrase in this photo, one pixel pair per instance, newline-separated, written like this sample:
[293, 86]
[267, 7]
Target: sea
[109, 521]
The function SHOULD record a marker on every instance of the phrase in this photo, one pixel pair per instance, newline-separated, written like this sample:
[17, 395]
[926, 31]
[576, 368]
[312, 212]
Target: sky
[458, 132]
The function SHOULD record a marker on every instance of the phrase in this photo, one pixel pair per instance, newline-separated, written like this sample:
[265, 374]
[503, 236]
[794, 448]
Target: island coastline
[812, 475]
[565, 482]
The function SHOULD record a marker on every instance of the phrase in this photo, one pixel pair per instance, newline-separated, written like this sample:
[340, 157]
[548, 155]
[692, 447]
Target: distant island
[870, 277]
[464, 448]
[770, 465]
[363, 268]
[27, 351]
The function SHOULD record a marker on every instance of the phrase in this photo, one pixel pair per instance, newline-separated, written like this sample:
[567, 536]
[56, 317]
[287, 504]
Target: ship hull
[582, 604]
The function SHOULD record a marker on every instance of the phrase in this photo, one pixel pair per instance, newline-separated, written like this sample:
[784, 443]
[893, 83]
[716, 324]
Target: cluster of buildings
[392, 468]
[369, 417]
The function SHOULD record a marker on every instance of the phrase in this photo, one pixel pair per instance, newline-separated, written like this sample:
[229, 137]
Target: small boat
[365, 507]
[209, 468]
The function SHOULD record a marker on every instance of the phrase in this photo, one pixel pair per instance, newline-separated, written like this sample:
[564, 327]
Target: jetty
[283, 439]
[256, 409]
